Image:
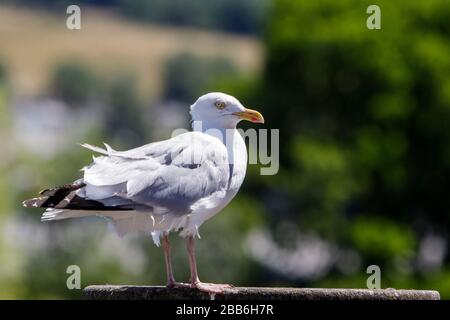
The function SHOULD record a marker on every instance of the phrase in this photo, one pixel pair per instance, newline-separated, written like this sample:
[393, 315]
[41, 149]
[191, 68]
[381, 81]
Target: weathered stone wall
[96, 292]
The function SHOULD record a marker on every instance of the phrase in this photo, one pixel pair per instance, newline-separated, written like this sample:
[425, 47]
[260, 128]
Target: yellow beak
[250, 115]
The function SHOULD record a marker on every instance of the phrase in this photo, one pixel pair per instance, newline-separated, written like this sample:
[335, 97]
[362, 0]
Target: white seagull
[171, 185]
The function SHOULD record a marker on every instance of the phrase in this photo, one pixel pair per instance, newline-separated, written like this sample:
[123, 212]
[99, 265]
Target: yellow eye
[219, 105]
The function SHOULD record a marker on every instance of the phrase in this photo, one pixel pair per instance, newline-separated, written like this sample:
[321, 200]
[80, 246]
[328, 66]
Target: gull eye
[219, 105]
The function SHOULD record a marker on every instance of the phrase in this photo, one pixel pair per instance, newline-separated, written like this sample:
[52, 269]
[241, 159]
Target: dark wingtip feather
[65, 197]
[62, 189]
[35, 202]
[52, 196]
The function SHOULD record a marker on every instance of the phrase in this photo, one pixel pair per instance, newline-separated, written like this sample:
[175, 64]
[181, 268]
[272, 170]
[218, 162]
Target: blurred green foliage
[124, 122]
[73, 83]
[4, 131]
[2, 74]
[380, 239]
[365, 114]
[9, 277]
[186, 75]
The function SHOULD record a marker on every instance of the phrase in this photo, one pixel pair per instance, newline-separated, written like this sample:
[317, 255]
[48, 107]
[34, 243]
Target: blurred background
[364, 125]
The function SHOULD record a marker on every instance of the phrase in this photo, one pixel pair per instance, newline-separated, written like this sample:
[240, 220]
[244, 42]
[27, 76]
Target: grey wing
[167, 176]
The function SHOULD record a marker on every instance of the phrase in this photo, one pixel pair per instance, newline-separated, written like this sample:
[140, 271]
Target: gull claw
[212, 288]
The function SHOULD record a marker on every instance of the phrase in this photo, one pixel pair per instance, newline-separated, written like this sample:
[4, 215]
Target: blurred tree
[74, 83]
[228, 15]
[186, 76]
[363, 117]
[378, 98]
[2, 74]
[123, 118]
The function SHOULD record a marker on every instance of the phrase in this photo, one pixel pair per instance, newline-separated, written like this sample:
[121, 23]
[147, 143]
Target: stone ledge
[124, 292]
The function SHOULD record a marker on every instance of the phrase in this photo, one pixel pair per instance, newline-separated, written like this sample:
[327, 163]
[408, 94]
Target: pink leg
[171, 283]
[195, 281]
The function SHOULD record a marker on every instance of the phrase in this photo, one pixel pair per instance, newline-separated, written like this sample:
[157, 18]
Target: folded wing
[167, 176]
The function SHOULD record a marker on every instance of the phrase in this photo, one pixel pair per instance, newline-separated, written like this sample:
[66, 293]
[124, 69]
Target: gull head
[220, 110]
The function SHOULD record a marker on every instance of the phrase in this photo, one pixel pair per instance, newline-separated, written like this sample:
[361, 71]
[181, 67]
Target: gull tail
[51, 214]
[64, 202]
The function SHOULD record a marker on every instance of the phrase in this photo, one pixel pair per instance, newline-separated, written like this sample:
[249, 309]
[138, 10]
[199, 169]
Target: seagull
[167, 186]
